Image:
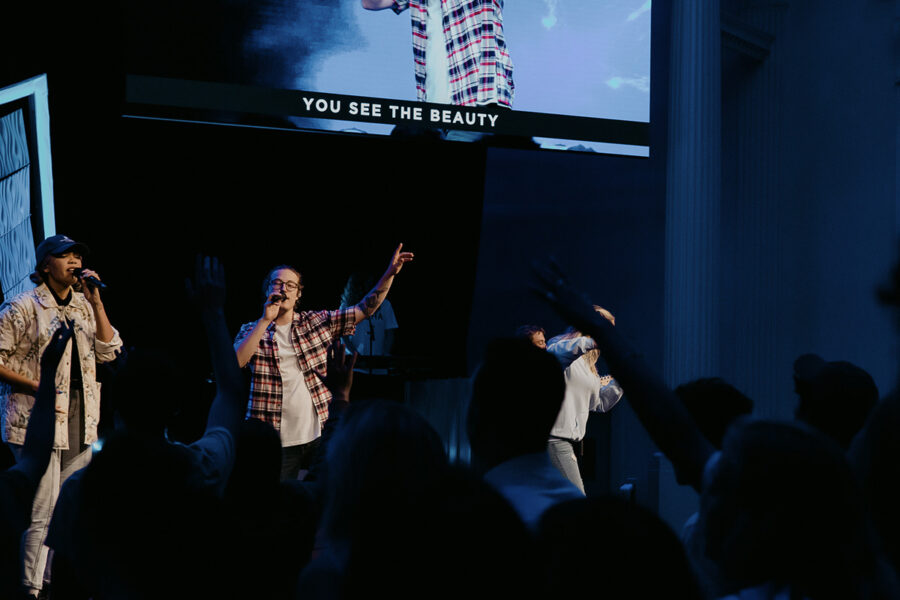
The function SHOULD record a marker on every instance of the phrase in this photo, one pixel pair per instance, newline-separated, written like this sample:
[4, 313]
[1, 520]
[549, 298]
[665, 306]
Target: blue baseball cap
[58, 244]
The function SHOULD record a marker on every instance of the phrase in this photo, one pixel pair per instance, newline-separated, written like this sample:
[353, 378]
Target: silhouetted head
[714, 404]
[834, 397]
[379, 457]
[516, 396]
[639, 555]
[150, 520]
[875, 456]
[459, 539]
[780, 505]
[257, 462]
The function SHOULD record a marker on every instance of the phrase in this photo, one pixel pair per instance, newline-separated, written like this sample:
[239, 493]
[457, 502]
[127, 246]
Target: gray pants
[562, 455]
[62, 464]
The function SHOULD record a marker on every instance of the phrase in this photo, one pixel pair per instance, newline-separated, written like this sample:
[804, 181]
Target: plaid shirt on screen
[481, 71]
[311, 335]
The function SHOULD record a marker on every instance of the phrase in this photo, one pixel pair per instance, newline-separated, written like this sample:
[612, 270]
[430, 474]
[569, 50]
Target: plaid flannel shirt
[481, 71]
[311, 335]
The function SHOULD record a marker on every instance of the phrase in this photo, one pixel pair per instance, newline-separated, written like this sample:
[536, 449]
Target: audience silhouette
[803, 509]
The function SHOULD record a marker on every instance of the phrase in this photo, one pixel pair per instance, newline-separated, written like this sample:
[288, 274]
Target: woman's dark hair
[526, 331]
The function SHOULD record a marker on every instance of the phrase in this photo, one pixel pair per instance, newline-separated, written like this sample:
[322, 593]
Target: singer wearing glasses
[65, 291]
[286, 347]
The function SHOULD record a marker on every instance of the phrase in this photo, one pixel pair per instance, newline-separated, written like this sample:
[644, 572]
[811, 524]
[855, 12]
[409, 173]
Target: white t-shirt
[437, 65]
[299, 421]
[584, 392]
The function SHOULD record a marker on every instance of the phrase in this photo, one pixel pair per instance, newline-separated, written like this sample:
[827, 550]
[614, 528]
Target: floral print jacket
[27, 322]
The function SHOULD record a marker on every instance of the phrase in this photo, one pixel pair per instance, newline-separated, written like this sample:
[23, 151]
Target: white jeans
[562, 455]
[34, 552]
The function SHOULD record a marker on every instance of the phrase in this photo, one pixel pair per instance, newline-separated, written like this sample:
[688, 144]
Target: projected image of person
[65, 293]
[586, 391]
[286, 347]
[459, 50]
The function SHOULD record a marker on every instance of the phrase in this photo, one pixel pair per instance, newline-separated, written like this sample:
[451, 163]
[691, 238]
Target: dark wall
[148, 195]
[809, 205]
[603, 220]
[809, 194]
[257, 198]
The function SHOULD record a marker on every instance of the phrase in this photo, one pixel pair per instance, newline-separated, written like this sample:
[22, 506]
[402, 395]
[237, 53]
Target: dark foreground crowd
[802, 509]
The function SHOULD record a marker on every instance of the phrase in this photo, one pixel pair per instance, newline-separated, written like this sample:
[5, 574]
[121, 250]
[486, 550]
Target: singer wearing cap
[27, 322]
[285, 349]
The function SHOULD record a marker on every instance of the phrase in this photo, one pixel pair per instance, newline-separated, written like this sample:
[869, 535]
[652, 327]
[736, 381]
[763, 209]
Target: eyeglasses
[288, 285]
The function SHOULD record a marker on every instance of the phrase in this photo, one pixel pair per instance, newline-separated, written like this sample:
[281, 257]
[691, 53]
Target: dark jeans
[295, 458]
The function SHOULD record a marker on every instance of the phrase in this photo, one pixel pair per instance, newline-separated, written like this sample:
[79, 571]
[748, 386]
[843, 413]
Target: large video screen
[561, 74]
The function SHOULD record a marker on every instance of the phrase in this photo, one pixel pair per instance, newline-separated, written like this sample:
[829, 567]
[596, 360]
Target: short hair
[516, 396]
[268, 280]
[835, 397]
[526, 331]
[380, 451]
[636, 542]
[783, 505]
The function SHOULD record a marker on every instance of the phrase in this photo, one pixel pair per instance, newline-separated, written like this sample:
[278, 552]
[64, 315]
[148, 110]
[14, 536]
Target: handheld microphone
[93, 282]
[277, 297]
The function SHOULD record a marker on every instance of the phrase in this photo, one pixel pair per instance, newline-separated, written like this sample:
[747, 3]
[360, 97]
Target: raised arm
[569, 350]
[42, 422]
[367, 307]
[610, 394]
[659, 410]
[208, 292]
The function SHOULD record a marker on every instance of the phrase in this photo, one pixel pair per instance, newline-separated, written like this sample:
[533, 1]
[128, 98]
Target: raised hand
[207, 290]
[398, 260]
